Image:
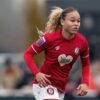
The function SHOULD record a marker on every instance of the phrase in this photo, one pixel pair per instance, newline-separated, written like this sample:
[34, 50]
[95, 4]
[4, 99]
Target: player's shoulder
[51, 36]
[83, 41]
[81, 37]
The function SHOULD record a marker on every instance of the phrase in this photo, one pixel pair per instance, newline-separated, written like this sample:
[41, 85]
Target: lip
[75, 29]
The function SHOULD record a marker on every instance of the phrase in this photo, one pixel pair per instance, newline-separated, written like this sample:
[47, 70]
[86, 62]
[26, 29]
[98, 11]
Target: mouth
[75, 29]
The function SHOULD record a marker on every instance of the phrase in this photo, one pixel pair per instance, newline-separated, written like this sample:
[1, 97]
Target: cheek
[67, 24]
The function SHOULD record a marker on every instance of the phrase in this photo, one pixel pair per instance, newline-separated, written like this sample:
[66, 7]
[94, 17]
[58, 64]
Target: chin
[72, 33]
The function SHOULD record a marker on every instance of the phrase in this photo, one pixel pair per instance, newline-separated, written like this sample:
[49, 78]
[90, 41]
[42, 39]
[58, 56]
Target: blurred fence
[17, 98]
[32, 98]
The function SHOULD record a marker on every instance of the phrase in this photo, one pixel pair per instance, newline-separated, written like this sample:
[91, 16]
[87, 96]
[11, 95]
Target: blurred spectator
[94, 88]
[10, 75]
[26, 82]
[27, 79]
[71, 89]
[98, 86]
[95, 68]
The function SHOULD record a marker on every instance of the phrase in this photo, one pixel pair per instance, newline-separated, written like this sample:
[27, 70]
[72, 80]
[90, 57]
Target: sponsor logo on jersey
[76, 51]
[40, 41]
[50, 91]
[57, 47]
[63, 59]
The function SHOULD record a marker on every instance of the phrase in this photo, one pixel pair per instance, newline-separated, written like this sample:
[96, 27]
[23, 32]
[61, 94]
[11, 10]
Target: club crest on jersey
[76, 51]
[50, 91]
[40, 41]
[63, 59]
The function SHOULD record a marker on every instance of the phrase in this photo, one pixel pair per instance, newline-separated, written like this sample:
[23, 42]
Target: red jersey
[60, 55]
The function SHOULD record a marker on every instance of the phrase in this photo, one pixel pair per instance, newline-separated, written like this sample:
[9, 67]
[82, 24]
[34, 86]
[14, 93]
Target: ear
[62, 22]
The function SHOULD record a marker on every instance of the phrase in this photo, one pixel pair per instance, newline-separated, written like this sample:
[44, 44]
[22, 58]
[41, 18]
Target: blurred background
[18, 22]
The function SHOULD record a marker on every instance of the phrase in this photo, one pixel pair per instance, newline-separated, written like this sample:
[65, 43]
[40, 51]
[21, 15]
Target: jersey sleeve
[41, 44]
[36, 47]
[85, 62]
[29, 59]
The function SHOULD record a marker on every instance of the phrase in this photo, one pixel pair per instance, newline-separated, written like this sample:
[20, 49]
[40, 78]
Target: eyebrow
[74, 17]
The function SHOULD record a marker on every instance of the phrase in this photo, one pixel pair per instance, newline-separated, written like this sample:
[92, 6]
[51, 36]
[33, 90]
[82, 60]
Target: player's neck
[67, 35]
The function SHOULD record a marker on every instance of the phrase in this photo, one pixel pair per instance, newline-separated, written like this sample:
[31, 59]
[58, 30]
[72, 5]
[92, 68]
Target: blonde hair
[54, 16]
[52, 22]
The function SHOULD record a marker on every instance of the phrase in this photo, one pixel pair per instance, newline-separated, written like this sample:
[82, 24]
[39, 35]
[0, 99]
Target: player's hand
[43, 79]
[82, 89]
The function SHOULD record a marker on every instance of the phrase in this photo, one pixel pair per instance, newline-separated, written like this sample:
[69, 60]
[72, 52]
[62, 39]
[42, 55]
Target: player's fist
[82, 89]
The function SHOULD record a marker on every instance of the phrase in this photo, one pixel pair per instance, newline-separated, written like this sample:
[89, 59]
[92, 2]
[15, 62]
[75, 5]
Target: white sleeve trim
[44, 39]
[86, 56]
[34, 49]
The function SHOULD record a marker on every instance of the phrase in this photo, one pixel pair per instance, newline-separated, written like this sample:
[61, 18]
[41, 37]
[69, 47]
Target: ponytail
[54, 20]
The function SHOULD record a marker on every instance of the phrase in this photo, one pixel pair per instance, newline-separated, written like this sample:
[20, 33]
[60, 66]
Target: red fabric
[85, 71]
[28, 57]
[85, 63]
[60, 55]
[92, 84]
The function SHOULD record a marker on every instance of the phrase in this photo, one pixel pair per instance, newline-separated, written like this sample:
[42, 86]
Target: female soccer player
[62, 45]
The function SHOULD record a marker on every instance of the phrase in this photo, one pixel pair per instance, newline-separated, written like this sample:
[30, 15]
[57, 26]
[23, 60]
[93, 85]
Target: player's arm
[29, 59]
[83, 87]
[29, 54]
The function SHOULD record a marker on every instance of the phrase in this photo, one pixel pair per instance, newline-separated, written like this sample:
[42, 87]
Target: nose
[77, 23]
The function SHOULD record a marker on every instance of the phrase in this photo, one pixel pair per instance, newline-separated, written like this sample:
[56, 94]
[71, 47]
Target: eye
[78, 21]
[72, 20]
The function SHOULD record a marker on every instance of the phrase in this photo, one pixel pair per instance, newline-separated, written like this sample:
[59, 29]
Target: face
[71, 23]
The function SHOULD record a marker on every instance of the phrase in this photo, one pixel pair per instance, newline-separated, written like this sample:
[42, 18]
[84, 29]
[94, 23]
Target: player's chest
[68, 48]
[64, 52]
